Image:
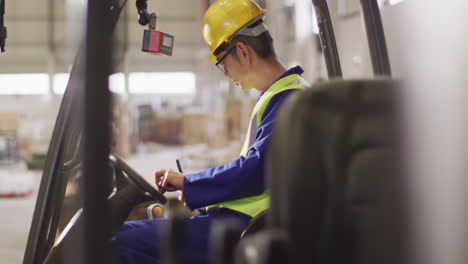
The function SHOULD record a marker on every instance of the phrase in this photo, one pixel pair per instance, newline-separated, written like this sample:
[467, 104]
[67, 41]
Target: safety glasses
[220, 63]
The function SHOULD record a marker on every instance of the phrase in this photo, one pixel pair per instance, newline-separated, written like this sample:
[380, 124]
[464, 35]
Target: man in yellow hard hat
[240, 43]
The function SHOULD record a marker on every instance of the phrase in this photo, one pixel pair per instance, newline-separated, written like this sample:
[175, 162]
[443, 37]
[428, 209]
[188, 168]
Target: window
[306, 19]
[303, 15]
[393, 2]
[139, 83]
[116, 82]
[27, 84]
[162, 83]
[60, 82]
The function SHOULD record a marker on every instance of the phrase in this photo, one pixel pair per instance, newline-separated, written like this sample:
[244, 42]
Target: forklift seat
[256, 224]
[336, 190]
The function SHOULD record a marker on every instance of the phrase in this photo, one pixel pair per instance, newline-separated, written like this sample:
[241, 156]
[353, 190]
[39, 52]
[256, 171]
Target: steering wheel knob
[155, 210]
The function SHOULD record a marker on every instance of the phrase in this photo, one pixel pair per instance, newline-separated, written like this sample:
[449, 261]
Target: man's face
[232, 67]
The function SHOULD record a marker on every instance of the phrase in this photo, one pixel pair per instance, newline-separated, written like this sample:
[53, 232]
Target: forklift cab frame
[79, 154]
[83, 127]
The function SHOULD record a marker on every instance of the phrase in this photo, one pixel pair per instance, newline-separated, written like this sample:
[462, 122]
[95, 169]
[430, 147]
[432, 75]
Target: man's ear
[243, 52]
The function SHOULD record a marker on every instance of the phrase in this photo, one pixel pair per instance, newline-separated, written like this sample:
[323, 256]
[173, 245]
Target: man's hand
[169, 179]
[181, 197]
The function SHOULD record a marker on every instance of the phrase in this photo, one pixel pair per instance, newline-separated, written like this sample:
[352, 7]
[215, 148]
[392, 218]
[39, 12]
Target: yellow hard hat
[226, 17]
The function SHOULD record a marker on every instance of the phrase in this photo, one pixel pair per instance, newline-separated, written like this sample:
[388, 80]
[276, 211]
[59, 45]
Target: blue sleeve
[239, 178]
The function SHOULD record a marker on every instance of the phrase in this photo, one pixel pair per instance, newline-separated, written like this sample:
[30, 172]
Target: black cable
[3, 30]
[143, 15]
[142, 4]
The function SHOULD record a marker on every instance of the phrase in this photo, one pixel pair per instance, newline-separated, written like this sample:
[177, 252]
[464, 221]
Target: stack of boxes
[217, 130]
[146, 122]
[9, 152]
[232, 117]
[14, 182]
[168, 129]
[194, 128]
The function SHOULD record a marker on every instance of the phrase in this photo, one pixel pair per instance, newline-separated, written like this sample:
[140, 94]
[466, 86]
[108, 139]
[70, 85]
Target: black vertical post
[173, 235]
[52, 190]
[3, 30]
[327, 39]
[376, 37]
[97, 132]
[51, 25]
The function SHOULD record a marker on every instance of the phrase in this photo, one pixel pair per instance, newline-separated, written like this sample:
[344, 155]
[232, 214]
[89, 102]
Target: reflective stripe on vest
[254, 205]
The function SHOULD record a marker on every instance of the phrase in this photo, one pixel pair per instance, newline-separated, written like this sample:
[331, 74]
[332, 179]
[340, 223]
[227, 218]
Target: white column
[434, 99]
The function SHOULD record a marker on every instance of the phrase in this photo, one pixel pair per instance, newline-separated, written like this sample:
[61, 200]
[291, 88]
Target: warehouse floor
[14, 227]
[16, 213]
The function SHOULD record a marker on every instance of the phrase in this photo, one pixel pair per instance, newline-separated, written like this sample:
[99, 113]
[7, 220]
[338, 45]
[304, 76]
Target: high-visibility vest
[254, 205]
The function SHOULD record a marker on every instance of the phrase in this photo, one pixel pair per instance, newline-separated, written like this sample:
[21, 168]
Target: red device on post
[157, 42]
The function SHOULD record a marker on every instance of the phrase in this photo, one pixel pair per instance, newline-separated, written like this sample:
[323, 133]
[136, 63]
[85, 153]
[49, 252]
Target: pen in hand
[162, 190]
[179, 166]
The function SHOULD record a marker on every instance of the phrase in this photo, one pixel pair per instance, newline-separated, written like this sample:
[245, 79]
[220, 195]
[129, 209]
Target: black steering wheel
[136, 179]
[131, 189]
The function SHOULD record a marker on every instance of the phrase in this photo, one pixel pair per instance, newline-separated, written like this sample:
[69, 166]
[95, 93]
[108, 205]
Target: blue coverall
[140, 241]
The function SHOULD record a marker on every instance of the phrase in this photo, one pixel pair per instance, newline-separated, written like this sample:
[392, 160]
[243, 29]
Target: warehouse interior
[165, 107]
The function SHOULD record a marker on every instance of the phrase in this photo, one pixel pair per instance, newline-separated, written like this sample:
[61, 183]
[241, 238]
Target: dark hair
[262, 45]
